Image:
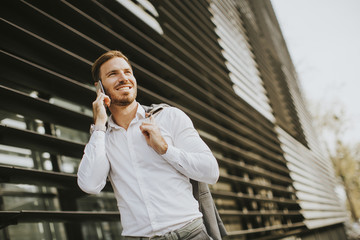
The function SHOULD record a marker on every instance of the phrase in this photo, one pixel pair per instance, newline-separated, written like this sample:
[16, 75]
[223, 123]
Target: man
[149, 160]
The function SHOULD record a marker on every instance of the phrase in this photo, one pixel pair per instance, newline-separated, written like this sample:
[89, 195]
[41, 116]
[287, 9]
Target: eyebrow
[112, 71]
[115, 70]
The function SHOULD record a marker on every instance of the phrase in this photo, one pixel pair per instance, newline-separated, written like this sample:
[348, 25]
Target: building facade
[225, 63]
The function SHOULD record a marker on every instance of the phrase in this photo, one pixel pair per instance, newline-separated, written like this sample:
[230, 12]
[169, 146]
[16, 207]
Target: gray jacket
[201, 191]
[212, 221]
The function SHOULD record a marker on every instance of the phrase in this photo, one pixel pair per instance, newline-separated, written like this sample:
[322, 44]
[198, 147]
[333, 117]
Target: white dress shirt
[153, 191]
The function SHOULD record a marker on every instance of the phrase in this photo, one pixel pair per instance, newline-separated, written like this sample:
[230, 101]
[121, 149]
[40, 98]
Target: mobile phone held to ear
[100, 86]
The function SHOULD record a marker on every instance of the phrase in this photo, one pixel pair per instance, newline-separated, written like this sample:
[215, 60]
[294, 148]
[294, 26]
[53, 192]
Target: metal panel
[208, 58]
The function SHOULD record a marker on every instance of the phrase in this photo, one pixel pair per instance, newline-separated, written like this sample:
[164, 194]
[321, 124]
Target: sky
[323, 38]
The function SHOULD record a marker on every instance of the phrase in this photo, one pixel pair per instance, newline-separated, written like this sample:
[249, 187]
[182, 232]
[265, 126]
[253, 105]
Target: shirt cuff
[171, 154]
[94, 128]
[97, 136]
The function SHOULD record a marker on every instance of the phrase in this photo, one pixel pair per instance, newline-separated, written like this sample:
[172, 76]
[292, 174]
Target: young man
[149, 160]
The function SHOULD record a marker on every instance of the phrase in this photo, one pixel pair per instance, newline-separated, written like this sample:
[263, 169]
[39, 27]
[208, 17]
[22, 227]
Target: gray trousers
[194, 230]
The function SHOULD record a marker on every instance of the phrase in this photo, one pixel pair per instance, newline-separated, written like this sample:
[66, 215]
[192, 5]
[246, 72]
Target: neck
[123, 115]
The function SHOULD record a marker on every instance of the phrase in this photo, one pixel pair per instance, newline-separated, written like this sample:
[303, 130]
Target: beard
[124, 99]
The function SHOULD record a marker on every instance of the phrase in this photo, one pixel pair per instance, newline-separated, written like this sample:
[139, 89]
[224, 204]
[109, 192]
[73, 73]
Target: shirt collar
[140, 114]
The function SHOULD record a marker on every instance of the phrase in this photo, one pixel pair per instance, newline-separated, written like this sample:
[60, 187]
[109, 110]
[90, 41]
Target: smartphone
[100, 86]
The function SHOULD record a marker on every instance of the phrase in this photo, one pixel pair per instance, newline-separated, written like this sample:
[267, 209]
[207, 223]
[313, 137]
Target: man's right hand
[99, 110]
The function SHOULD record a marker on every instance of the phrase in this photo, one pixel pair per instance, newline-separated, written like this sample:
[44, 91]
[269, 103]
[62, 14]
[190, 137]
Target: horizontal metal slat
[43, 52]
[258, 213]
[241, 196]
[196, 16]
[168, 10]
[19, 175]
[213, 79]
[217, 70]
[31, 216]
[17, 102]
[267, 229]
[44, 80]
[40, 142]
[7, 193]
[254, 184]
[255, 170]
[243, 154]
[43, 24]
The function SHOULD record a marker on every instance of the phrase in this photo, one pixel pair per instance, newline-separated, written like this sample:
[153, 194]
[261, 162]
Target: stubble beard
[123, 100]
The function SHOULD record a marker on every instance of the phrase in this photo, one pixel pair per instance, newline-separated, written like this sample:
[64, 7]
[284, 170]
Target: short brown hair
[95, 69]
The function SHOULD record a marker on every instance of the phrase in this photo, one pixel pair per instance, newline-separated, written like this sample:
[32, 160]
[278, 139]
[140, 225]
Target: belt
[180, 233]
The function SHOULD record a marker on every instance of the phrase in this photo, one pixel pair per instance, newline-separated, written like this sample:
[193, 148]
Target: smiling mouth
[123, 88]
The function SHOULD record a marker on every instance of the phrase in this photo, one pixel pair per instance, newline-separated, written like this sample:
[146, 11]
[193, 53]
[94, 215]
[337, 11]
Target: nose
[122, 77]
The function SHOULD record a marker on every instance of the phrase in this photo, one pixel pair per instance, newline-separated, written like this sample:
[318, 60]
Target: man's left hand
[153, 136]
